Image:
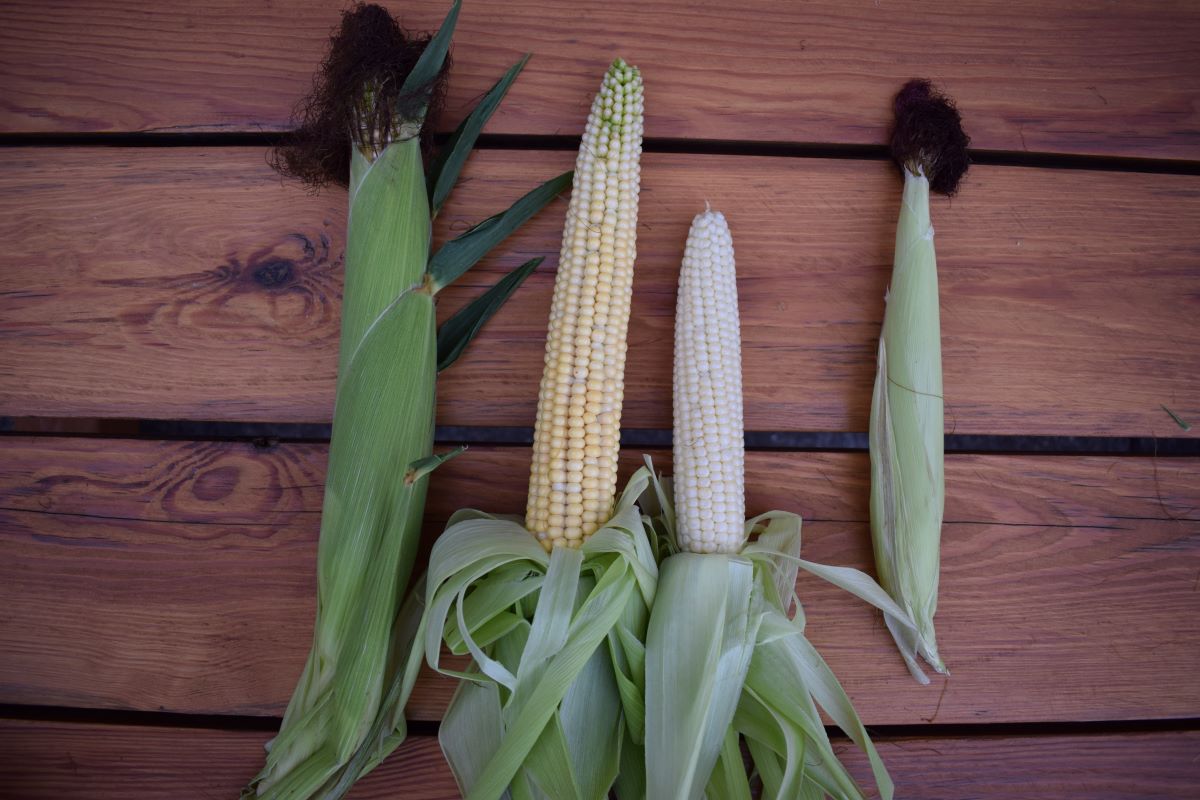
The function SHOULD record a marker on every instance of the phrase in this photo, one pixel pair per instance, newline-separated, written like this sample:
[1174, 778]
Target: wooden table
[169, 318]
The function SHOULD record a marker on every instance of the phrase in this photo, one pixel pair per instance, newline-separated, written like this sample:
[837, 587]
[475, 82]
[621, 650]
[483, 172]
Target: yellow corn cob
[708, 446]
[573, 477]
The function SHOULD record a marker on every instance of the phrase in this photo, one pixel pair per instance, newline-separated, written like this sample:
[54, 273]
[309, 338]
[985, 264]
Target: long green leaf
[426, 70]
[460, 254]
[444, 171]
[458, 331]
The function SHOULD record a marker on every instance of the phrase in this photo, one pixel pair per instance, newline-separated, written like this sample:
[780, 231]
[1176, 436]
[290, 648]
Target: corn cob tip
[928, 137]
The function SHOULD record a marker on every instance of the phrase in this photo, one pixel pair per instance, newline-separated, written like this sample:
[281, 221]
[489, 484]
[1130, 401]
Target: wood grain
[191, 284]
[96, 761]
[65, 761]
[179, 576]
[1061, 77]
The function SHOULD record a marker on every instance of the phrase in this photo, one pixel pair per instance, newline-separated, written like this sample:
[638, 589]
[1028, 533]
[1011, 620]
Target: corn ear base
[541, 682]
[696, 664]
[907, 435]
[777, 700]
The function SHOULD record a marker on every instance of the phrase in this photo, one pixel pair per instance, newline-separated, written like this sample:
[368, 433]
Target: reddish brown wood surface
[1062, 77]
[190, 283]
[179, 576]
[67, 761]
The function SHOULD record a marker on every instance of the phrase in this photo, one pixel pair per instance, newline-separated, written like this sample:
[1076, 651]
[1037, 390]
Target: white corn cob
[708, 447]
[573, 477]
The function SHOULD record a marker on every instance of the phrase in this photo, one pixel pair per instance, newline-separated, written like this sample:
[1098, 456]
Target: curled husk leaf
[551, 706]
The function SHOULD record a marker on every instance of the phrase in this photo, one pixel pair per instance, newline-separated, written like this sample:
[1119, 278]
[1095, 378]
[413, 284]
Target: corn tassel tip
[928, 138]
[356, 99]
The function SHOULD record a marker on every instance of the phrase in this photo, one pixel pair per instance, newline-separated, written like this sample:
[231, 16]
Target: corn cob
[906, 436]
[542, 714]
[573, 476]
[725, 656]
[708, 449]
[361, 128]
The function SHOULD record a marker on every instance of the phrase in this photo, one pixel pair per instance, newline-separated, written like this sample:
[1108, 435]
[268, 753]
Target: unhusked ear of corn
[708, 441]
[361, 128]
[553, 622]
[573, 476]
[907, 430]
[725, 658]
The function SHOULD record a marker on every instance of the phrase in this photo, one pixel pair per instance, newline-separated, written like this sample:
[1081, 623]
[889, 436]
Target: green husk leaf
[631, 780]
[906, 435]
[460, 254]
[444, 171]
[423, 466]
[698, 647]
[729, 780]
[383, 423]
[531, 707]
[458, 331]
[389, 728]
[471, 730]
[433, 57]
[548, 766]
[560, 701]
[587, 732]
[1180, 421]
[776, 713]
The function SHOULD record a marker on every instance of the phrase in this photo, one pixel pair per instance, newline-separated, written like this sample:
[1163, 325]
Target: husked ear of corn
[708, 448]
[547, 710]
[362, 129]
[907, 430]
[573, 476]
[726, 658]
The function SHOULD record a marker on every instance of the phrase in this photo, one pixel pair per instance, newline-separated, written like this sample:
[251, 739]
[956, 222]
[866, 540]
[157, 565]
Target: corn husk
[906, 436]
[727, 659]
[726, 655]
[347, 710]
[543, 713]
[551, 705]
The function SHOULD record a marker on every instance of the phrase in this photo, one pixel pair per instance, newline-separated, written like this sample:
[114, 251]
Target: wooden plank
[95, 761]
[1130, 766]
[191, 284]
[63, 761]
[179, 576]
[1122, 79]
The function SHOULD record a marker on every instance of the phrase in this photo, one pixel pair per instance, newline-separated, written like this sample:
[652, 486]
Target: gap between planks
[265, 434]
[66, 761]
[780, 149]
